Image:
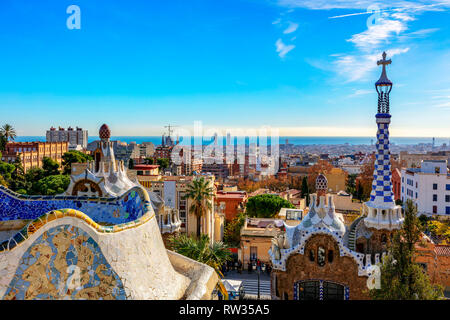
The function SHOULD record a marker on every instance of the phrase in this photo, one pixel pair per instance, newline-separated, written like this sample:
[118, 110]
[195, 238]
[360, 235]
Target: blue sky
[304, 67]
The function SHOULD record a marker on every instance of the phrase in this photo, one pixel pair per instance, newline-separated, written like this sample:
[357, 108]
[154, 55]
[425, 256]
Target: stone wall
[341, 270]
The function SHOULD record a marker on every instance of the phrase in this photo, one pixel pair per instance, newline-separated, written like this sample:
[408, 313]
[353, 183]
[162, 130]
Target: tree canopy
[266, 205]
[53, 185]
[163, 163]
[50, 166]
[73, 156]
[401, 277]
[199, 192]
[8, 132]
[200, 249]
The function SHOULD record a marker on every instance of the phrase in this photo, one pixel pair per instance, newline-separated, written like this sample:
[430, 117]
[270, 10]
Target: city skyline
[299, 66]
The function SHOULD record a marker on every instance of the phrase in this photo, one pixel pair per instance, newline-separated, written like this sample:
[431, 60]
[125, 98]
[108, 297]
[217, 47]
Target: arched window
[311, 255]
[321, 256]
[330, 256]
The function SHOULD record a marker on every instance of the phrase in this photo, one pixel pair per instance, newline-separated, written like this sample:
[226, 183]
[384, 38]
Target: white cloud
[383, 30]
[276, 21]
[444, 105]
[291, 28]
[360, 92]
[363, 4]
[282, 48]
[357, 67]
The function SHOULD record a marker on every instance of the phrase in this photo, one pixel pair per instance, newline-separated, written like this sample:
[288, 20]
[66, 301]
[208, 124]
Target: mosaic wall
[125, 208]
[64, 263]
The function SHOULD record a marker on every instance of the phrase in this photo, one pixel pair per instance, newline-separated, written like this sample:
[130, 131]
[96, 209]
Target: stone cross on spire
[383, 78]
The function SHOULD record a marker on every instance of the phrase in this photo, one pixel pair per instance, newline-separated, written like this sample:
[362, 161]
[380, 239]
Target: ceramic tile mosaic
[125, 208]
[64, 263]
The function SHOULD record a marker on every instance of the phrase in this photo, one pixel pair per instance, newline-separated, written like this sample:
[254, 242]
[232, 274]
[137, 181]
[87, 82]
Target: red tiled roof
[442, 250]
[145, 166]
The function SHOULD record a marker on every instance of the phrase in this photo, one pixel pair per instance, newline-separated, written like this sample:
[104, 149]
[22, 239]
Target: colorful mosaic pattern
[64, 263]
[125, 208]
[382, 185]
[36, 224]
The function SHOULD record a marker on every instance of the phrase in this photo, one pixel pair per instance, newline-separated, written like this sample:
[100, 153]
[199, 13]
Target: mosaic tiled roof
[104, 132]
[442, 250]
[321, 182]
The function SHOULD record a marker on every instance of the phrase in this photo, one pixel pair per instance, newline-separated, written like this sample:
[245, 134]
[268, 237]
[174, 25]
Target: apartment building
[75, 137]
[428, 186]
[32, 153]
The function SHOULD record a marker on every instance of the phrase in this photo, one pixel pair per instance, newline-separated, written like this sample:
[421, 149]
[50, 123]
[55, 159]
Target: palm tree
[200, 249]
[8, 132]
[199, 191]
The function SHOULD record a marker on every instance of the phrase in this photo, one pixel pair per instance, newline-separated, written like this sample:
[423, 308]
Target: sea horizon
[294, 140]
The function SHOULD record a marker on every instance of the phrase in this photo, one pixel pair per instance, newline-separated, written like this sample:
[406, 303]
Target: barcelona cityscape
[229, 155]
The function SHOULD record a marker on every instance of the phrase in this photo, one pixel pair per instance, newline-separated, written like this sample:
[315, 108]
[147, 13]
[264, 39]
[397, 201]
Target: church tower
[382, 213]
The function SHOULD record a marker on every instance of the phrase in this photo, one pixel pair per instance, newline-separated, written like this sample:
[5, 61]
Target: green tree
[6, 171]
[3, 182]
[53, 185]
[401, 277]
[130, 164]
[8, 132]
[351, 184]
[33, 176]
[3, 143]
[232, 232]
[18, 180]
[201, 250]
[359, 192]
[305, 190]
[50, 167]
[266, 205]
[199, 192]
[163, 163]
[149, 161]
[73, 157]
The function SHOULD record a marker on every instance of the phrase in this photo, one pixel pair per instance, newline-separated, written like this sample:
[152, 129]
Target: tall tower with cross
[382, 213]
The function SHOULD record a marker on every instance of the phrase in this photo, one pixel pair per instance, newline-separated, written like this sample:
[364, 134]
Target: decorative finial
[384, 81]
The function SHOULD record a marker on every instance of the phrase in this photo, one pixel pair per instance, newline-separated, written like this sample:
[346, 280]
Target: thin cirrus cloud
[283, 48]
[292, 27]
[357, 67]
[386, 26]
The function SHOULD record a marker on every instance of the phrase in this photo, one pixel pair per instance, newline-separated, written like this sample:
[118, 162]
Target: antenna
[170, 129]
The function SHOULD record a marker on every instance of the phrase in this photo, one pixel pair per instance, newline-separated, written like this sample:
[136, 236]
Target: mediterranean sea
[156, 140]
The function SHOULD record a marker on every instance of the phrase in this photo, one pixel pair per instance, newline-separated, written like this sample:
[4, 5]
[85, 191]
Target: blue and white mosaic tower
[382, 213]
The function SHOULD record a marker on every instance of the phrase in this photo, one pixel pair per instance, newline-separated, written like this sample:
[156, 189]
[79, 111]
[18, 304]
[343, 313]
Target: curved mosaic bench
[113, 251]
[36, 224]
[128, 207]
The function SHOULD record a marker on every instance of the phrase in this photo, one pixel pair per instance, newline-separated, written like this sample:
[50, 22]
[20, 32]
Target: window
[383, 238]
[321, 256]
[330, 256]
[434, 197]
[434, 209]
[447, 198]
[447, 187]
[437, 170]
[253, 253]
[434, 186]
[447, 210]
[311, 255]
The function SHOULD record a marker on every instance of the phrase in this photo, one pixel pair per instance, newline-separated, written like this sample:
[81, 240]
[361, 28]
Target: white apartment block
[75, 137]
[428, 186]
